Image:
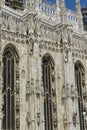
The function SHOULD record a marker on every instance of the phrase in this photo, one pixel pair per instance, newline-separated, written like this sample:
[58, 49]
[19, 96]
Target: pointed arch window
[9, 78]
[48, 67]
[79, 81]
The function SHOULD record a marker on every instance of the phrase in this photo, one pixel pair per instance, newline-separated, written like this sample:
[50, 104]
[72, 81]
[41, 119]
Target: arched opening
[79, 81]
[48, 68]
[10, 61]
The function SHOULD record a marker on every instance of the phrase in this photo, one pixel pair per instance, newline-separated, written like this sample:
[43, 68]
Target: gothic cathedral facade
[43, 66]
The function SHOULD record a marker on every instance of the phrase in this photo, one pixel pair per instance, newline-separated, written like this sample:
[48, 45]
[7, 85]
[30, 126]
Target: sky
[70, 4]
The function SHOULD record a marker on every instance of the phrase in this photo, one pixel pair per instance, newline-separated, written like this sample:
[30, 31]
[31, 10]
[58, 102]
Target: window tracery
[79, 76]
[10, 95]
[50, 107]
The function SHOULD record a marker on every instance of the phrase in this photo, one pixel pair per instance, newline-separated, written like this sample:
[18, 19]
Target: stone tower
[43, 73]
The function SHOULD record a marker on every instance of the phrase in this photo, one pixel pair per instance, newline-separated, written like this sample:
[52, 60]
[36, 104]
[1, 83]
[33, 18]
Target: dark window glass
[8, 91]
[79, 75]
[47, 68]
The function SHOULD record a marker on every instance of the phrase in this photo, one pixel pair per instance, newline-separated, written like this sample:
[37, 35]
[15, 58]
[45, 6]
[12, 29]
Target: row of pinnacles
[58, 11]
[47, 41]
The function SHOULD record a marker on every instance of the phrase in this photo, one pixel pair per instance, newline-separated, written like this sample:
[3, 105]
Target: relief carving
[73, 93]
[55, 121]
[38, 119]
[28, 119]
[74, 118]
[65, 120]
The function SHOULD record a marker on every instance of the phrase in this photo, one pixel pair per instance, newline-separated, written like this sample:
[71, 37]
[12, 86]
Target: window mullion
[47, 93]
[11, 94]
[49, 98]
[6, 93]
[46, 88]
[78, 79]
[44, 82]
[8, 90]
[48, 106]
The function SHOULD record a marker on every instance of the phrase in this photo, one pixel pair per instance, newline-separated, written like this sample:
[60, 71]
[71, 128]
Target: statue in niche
[53, 76]
[65, 36]
[65, 120]
[35, 28]
[63, 92]
[66, 55]
[17, 122]
[28, 119]
[55, 121]
[31, 25]
[72, 92]
[38, 118]
[27, 87]
[74, 118]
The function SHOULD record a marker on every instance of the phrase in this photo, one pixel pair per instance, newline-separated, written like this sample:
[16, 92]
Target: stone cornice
[79, 35]
[51, 23]
[13, 12]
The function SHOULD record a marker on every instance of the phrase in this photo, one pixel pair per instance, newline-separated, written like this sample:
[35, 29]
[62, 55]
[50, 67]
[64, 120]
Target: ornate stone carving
[31, 25]
[17, 98]
[38, 118]
[38, 91]
[17, 103]
[17, 73]
[31, 46]
[23, 73]
[54, 106]
[17, 86]
[17, 122]
[66, 55]
[23, 29]
[27, 88]
[55, 121]
[63, 93]
[74, 118]
[65, 120]
[73, 93]
[53, 76]
[28, 118]
[54, 91]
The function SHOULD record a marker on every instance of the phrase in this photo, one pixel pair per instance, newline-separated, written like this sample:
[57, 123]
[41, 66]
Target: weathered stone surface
[35, 32]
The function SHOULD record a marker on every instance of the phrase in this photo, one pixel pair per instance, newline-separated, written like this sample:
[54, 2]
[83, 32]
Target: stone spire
[62, 4]
[32, 4]
[63, 11]
[79, 14]
[78, 8]
[26, 3]
[57, 7]
[57, 3]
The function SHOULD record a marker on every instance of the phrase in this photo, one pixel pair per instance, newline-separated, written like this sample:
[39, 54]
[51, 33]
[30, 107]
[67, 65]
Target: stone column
[2, 2]
[69, 83]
